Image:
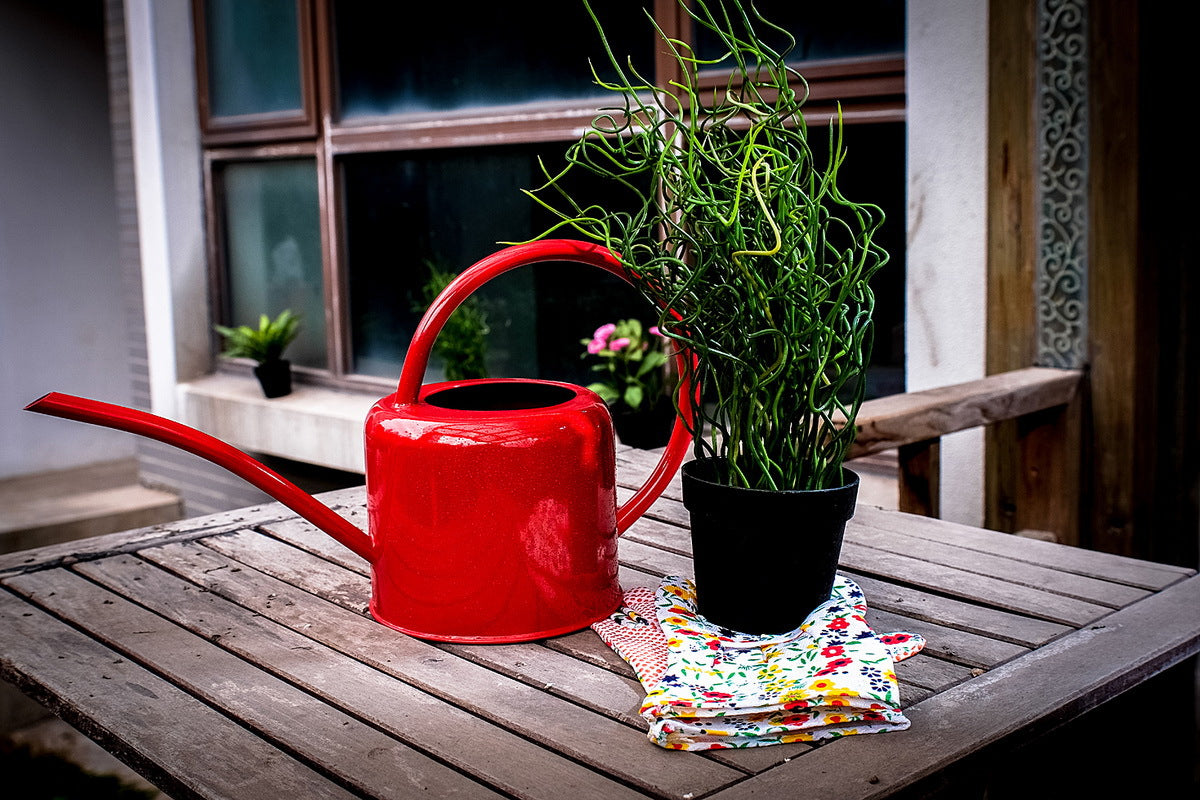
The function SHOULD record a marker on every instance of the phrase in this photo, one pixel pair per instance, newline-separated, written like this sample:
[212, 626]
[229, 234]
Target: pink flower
[654, 331]
[595, 346]
[617, 345]
[603, 332]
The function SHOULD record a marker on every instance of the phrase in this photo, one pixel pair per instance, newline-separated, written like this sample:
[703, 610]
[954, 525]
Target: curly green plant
[462, 342]
[762, 262]
[264, 343]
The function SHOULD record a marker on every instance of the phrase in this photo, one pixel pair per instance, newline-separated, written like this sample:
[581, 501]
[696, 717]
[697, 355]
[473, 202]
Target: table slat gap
[956, 613]
[1076, 560]
[1021, 573]
[975, 587]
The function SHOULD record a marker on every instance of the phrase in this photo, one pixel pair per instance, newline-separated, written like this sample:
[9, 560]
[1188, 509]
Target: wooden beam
[890, 422]
[1121, 361]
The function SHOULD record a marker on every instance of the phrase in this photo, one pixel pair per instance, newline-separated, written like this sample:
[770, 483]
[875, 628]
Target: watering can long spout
[128, 419]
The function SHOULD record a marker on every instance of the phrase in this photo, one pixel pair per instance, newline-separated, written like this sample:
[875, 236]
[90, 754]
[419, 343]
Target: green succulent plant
[264, 343]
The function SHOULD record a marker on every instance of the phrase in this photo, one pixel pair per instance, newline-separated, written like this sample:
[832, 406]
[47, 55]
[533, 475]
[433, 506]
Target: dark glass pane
[391, 59]
[451, 208]
[824, 30]
[873, 172]
[273, 249]
[253, 57]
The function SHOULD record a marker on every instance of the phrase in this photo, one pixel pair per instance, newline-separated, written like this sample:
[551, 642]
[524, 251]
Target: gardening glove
[708, 687]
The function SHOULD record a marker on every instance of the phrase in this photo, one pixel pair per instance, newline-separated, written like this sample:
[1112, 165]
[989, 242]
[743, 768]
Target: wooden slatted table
[231, 656]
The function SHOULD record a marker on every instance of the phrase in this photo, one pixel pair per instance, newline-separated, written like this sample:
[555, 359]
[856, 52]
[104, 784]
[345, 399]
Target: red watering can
[491, 503]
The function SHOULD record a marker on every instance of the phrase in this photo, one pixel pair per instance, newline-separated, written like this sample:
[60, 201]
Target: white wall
[170, 201]
[947, 233]
[61, 308]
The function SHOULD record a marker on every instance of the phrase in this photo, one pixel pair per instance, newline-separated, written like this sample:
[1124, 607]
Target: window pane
[273, 249]
[253, 57]
[825, 30]
[873, 172]
[488, 54]
[450, 208]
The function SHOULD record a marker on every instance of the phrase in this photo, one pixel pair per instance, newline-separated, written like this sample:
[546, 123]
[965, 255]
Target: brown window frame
[272, 126]
[870, 89]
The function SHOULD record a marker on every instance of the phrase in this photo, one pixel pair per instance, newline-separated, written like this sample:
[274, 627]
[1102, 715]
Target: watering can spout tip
[36, 403]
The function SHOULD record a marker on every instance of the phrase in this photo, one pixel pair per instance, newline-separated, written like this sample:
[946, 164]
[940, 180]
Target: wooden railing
[913, 423]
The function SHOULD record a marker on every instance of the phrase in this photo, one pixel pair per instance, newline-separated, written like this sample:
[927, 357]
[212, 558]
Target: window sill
[313, 424]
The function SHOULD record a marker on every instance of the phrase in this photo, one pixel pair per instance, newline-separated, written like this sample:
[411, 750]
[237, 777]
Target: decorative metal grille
[1062, 119]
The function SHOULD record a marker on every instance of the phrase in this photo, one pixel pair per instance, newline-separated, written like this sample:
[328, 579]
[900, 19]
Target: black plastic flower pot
[763, 559]
[275, 377]
[646, 428]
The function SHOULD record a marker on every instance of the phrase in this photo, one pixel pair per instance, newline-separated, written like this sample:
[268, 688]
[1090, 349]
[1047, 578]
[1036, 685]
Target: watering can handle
[417, 358]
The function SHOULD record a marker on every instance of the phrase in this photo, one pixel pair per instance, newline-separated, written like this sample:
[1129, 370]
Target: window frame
[269, 126]
[869, 88]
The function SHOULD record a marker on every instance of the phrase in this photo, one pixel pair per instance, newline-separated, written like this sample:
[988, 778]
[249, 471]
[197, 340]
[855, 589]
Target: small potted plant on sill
[764, 266]
[634, 384]
[265, 345]
[462, 343]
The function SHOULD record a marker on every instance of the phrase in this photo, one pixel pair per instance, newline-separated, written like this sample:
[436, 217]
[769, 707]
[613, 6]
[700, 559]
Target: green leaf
[607, 393]
[653, 360]
[633, 396]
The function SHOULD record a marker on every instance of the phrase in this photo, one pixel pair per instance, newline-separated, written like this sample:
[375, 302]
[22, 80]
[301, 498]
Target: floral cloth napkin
[708, 687]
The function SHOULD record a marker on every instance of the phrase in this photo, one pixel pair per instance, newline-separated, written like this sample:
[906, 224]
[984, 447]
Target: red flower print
[895, 638]
[835, 665]
[833, 650]
[713, 695]
[838, 624]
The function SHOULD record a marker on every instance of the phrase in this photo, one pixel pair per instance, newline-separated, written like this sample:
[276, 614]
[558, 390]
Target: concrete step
[66, 505]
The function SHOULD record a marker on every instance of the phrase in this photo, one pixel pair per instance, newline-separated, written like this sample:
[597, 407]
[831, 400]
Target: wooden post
[920, 478]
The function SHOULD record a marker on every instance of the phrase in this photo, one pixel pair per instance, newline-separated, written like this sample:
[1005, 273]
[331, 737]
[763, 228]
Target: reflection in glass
[825, 30]
[452, 208]
[273, 249]
[253, 57]
[390, 60]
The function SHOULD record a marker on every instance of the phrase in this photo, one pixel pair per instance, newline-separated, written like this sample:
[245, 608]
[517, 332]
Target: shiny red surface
[492, 504]
[497, 524]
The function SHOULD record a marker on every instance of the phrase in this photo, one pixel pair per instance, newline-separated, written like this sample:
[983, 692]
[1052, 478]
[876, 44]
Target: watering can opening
[501, 395]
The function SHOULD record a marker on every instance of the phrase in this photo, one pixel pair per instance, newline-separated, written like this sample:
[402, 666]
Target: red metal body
[491, 503]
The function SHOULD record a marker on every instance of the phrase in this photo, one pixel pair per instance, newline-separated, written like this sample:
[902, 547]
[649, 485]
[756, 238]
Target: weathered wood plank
[1015, 701]
[962, 615]
[614, 748]
[1119, 569]
[887, 423]
[970, 585]
[931, 673]
[496, 756]
[960, 647]
[920, 478]
[359, 756]
[557, 672]
[141, 718]
[1093, 590]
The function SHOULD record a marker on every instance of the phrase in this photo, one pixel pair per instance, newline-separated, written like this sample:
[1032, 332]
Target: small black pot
[763, 559]
[275, 377]
[645, 429]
